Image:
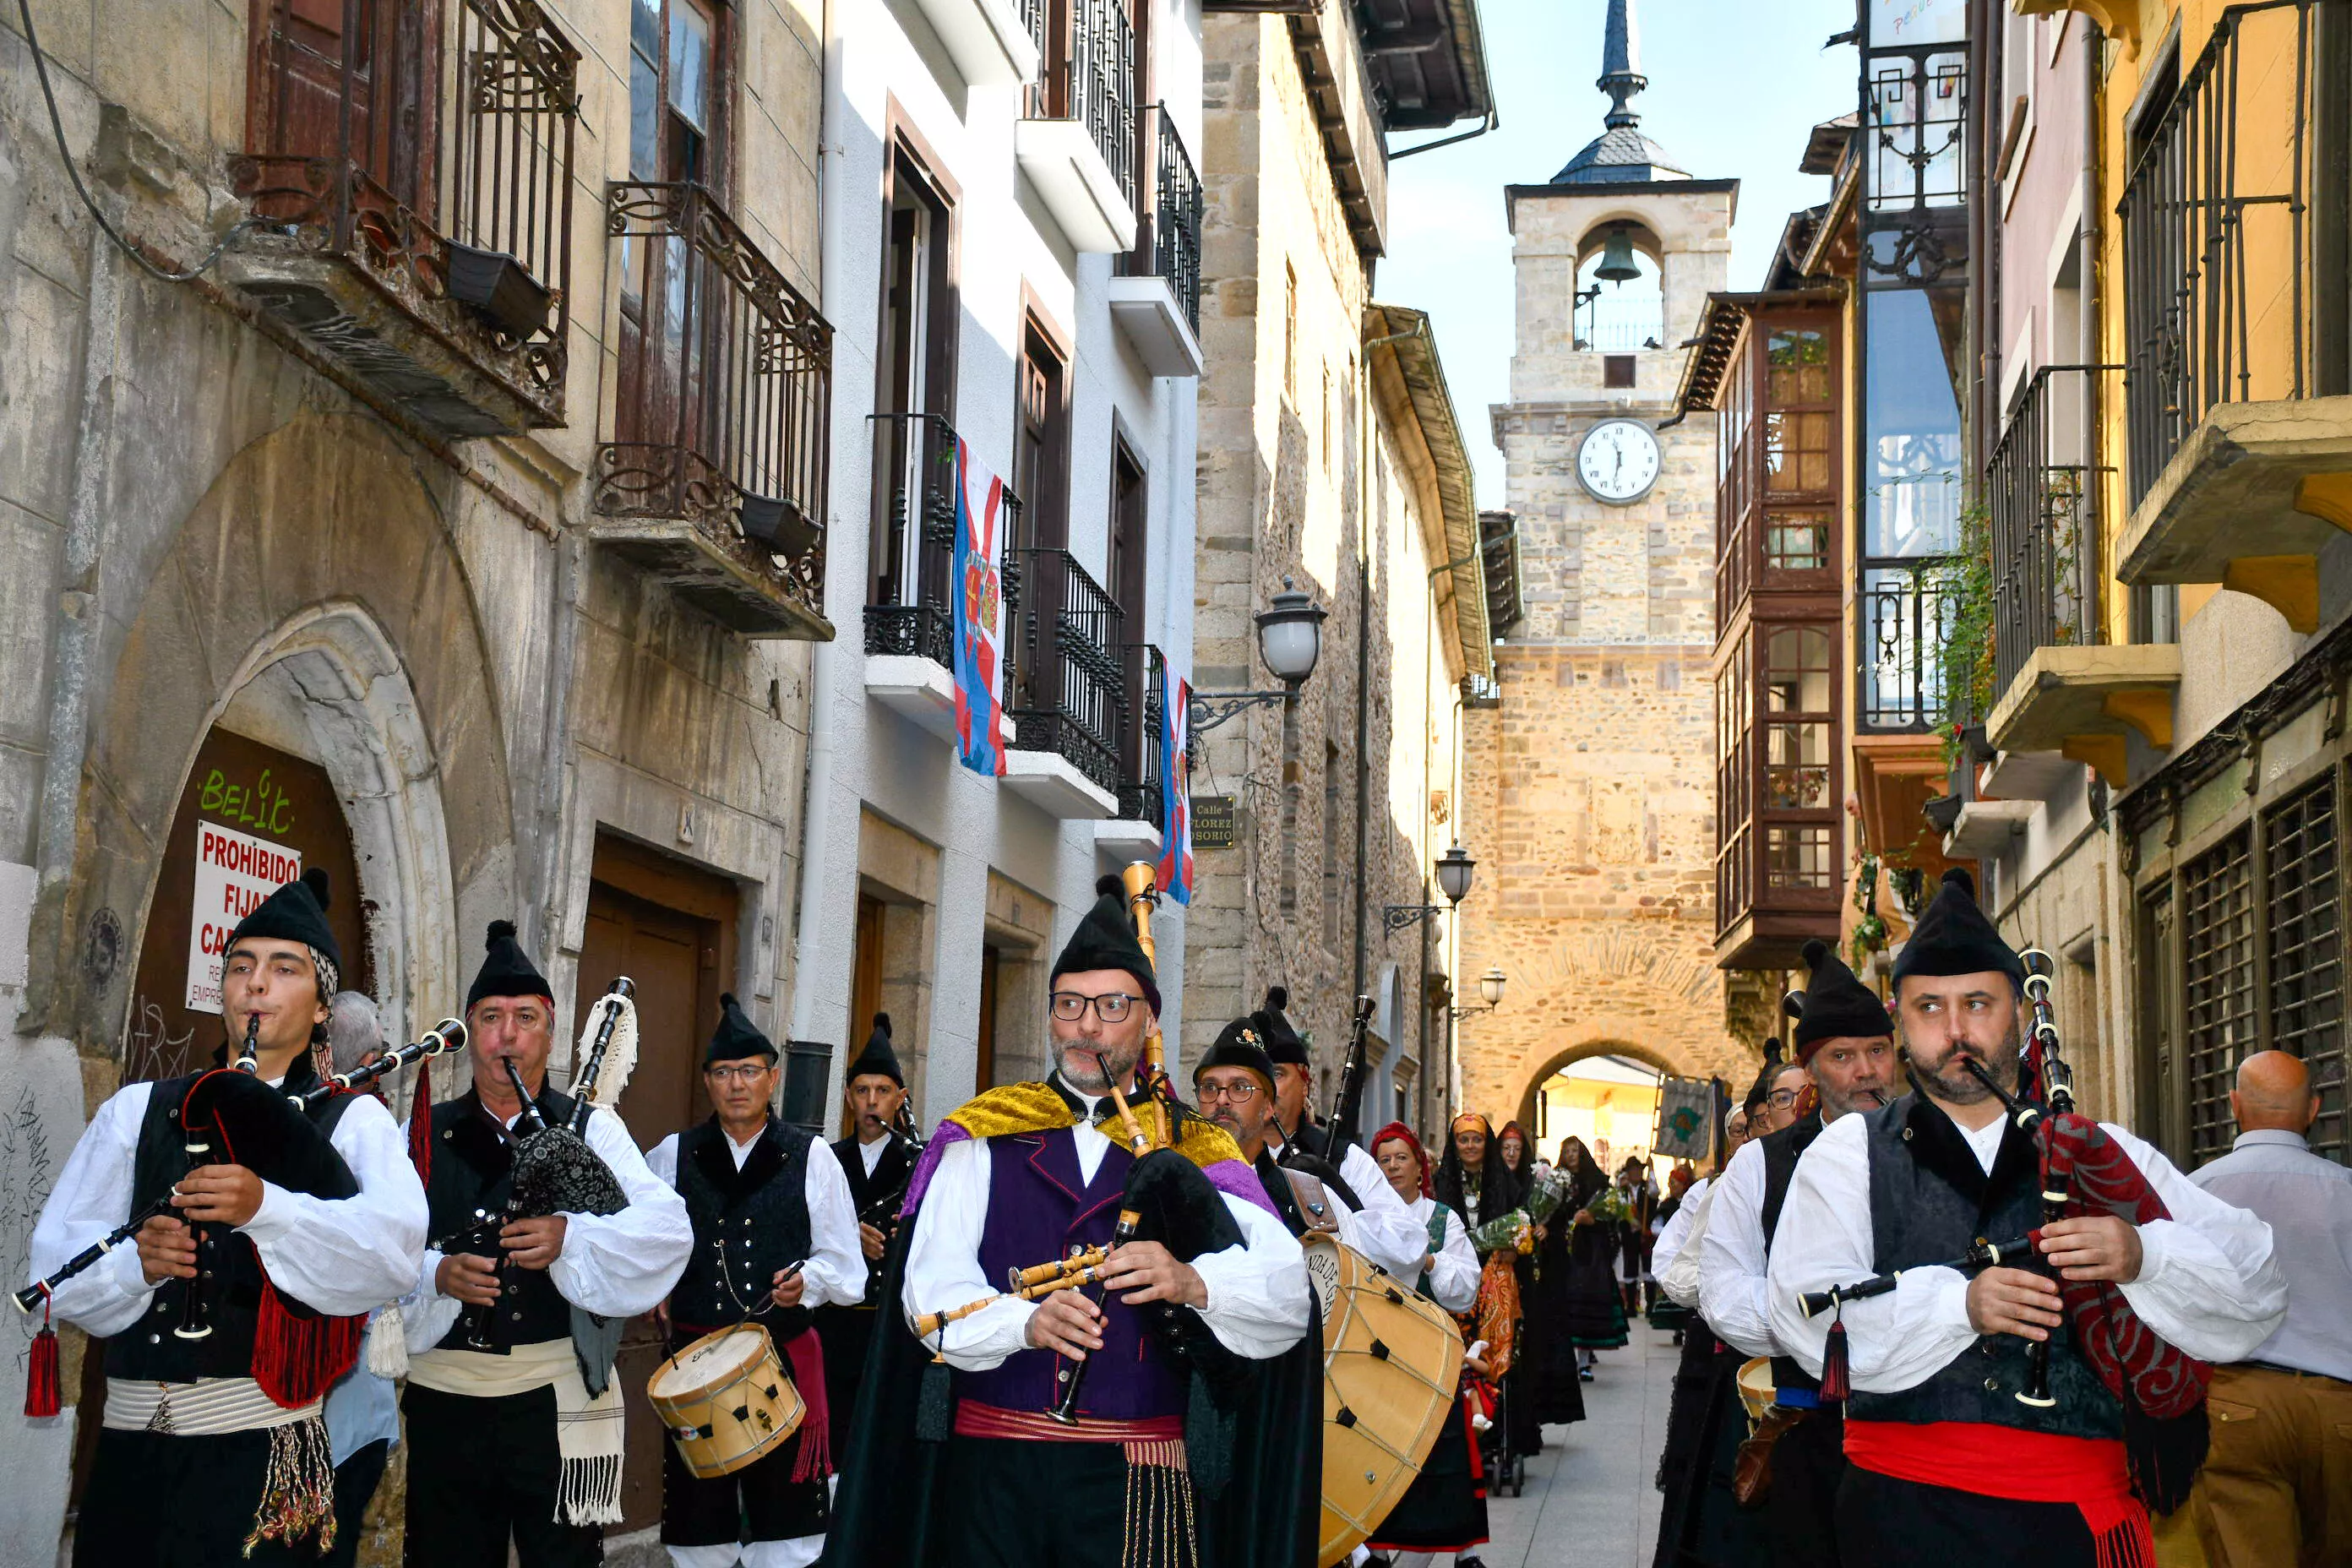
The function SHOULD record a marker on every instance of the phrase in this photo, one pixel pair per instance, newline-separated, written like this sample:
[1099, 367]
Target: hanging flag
[979, 586]
[1175, 787]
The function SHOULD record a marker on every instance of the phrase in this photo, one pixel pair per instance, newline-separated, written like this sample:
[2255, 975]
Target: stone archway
[1540, 1074]
[369, 630]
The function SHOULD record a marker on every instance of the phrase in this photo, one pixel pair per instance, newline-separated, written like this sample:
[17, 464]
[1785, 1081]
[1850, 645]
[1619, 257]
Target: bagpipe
[231, 1116]
[2084, 1172]
[445, 1038]
[554, 1170]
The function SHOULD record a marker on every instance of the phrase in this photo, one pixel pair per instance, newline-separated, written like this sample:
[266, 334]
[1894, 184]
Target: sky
[1736, 86]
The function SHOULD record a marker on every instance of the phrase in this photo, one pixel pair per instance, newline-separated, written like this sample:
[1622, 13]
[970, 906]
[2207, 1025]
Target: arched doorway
[1559, 1064]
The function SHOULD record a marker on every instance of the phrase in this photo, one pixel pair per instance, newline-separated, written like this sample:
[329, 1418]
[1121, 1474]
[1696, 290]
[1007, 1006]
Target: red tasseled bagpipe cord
[43, 1395]
[420, 1124]
[299, 1354]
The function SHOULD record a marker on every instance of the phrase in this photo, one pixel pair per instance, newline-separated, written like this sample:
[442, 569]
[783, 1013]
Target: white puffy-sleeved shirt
[614, 1265]
[1453, 1277]
[1383, 1230]
[1675, 1232]
[835, 1270]
[2208, 1283]
[1732, 1297]
[1258, 1290]
[338, 1255]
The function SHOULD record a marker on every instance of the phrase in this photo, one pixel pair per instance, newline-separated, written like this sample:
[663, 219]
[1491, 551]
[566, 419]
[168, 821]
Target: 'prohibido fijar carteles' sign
[235, 871]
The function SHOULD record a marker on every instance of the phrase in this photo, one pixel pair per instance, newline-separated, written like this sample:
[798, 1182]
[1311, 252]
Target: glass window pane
[1797, 766]
[644, 90]
[1796, 451]
[689, 64]
[1796, 670]
[1913, 442]
[1796, 541]
[1895, 24]
[1797, 858]
[1797, 367]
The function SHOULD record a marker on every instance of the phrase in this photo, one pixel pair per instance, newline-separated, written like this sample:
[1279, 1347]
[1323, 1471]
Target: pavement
[1588, 1500]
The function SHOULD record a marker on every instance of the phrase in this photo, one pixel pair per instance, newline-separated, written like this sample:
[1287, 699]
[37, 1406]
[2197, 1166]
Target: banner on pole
[982, 739]
[1175, 786]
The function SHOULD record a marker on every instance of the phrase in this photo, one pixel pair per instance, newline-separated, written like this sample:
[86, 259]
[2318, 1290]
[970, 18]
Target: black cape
[1253, 1441]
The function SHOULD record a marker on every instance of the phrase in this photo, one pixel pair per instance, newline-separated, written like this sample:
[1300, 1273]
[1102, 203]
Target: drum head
[710, 1361]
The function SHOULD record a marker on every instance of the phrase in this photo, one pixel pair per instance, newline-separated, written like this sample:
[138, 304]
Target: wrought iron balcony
[1906, 617]
[1077, 141]
[439, 273]
[910, 603]
[2235, 240]
[1143, 737]
[1156, 294]
[1068, 686]
[2043, 497]
[712, 470]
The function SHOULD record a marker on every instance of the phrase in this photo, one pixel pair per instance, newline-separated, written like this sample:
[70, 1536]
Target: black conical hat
[1283, 1043]
[1106, 939]
[878, 1058]
[736, 1036]
[1953, 937]
[1239, 1045]
[506, 970]
[298, 912]
[1837, 1006]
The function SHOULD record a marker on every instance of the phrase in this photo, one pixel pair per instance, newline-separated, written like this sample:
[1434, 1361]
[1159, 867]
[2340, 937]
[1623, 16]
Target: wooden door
[670, 928]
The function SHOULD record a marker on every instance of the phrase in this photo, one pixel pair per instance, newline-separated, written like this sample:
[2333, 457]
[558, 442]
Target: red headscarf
[1398, 1129]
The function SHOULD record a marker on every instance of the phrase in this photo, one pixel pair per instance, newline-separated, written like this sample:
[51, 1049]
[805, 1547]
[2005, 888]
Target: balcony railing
[1143, 732]
[2043, 501]
[2218, 234]
[1168, 243]
[1088, 48]
[468, 242]
[909, 607]
[726, 387]
[1907, 613]
[1068, 690]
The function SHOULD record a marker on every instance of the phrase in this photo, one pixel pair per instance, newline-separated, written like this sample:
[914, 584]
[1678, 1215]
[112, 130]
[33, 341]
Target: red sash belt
[974, 1419]
[2011, 1462]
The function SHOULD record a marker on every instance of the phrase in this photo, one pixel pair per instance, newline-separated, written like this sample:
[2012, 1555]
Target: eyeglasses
[1782, 1099]
[742, 1072]
[1070, 1006]
[1231, 1093]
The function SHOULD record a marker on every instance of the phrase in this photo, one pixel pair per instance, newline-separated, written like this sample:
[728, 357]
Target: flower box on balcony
[499, 287]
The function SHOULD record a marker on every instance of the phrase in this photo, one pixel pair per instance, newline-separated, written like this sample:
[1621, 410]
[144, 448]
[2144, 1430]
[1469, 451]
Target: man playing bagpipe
[877, 1158]
[774, 1237]
[1233, 1086]
[1845, 1041]
[2007, 1417]
[1169, 1423]
[1444, 1510]
[236, 1311]
[515, 1423]
[1383, 1231]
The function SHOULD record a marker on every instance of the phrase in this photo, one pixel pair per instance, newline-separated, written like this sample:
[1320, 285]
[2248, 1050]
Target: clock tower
[1598, 767]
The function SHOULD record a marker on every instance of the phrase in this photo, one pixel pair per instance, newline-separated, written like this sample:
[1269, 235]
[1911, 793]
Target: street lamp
[1490, 986]
[1289, 639]
[1453, 868]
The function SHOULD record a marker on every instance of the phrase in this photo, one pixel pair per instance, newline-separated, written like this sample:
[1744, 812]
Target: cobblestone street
[1589, 1502]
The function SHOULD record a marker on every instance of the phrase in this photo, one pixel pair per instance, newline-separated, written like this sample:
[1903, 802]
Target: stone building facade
[1331, 457]
[1591, 784]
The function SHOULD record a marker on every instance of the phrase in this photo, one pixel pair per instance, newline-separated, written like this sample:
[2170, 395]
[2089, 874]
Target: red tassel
[420, 1124]
[298, 1356]
[1837, 1382]
[43, 1396]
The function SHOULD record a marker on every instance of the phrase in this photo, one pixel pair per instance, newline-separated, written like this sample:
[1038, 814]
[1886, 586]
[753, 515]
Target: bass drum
[725, 1400]
[1391, 1365]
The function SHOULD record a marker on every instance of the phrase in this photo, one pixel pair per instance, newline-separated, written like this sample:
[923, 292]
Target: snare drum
[725, 1400]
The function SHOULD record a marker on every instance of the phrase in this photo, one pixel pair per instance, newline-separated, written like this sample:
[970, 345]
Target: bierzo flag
[980, 738]
[1175, 787]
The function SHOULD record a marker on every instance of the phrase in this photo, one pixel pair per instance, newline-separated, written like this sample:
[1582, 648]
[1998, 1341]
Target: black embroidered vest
[1782, 1151]
[1929, 1201]
[231, 1276]
[748, 1225]
[472, 1159]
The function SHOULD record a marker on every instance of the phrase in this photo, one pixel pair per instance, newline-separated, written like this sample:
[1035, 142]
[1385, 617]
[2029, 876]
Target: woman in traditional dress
[1577, 1272]
[1548, 1391]
[1444, 1510]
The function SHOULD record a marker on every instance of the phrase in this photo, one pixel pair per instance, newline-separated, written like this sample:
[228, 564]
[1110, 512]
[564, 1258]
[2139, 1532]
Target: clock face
[1619, 460]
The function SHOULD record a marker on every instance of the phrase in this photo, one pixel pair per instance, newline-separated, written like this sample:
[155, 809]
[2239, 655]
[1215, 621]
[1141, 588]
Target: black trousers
[159, 1502]
[1801, 1511]
[846, 1333]
[1883, 1522]
[1033, 1505]
[481, 1471]
[758, 1502]
[355, 1482]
